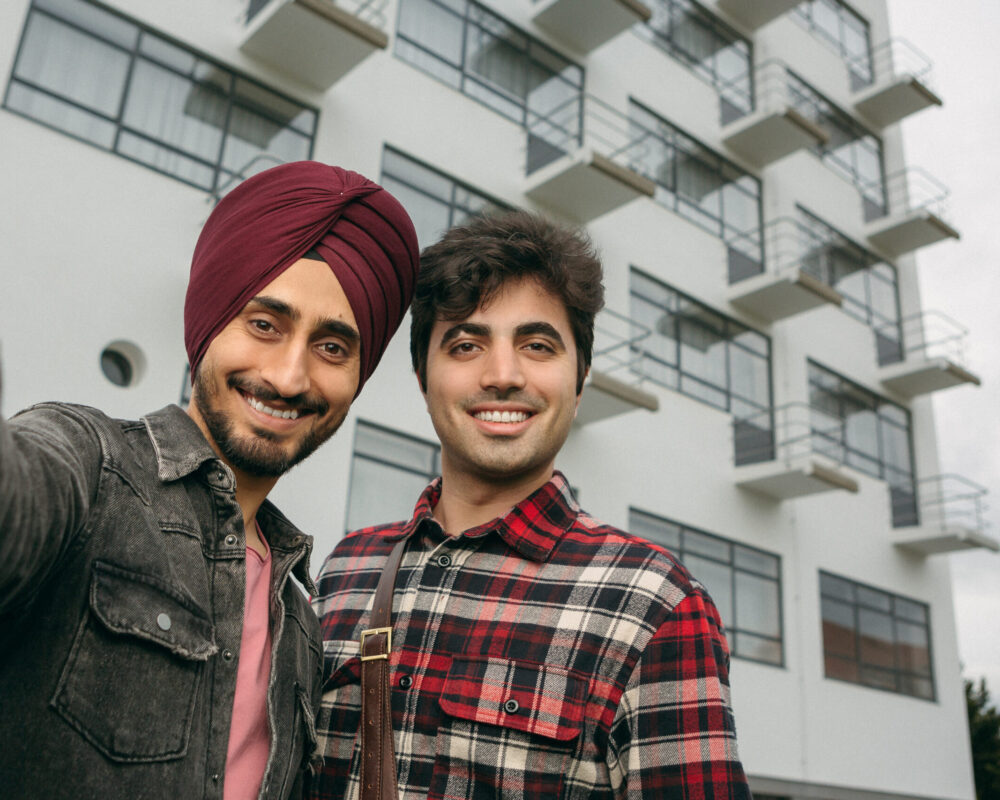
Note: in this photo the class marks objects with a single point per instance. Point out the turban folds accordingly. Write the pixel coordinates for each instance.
(273, 219)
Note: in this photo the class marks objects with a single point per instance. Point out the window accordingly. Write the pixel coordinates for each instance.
(710, 48)
(388, 472)
(869, 285)
(699, 184)
(867, 432)
(434, 201)
(852, 151)
(875, 638)
(699, 352)
(845, 30)
(115, 84)
(744, 582)
(480, 54)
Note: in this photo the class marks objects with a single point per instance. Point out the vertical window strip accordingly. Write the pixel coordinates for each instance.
(699, 352)
(745, 578)
(104, 79)
(711, 49)
(856, 426)
(860, 276)
(389, 470)
(844, 30)
(434, 200)
(876, 638)
(479, 53)
(697, 183)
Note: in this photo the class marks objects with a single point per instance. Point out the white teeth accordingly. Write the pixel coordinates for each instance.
(259, 406)
(501, 416)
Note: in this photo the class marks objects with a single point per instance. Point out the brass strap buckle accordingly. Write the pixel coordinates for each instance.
(376, 632)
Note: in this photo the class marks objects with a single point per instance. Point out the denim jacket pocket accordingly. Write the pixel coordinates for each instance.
(510, 726)
(131, 679)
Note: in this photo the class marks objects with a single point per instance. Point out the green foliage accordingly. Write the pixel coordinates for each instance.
(984, 730)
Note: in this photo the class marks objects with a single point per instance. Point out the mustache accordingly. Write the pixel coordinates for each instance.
(303, 403)
(514, 396)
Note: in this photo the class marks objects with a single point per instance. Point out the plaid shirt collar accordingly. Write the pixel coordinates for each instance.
(533, 527)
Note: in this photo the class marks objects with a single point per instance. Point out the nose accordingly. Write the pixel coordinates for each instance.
(287, 369)
(502, 369)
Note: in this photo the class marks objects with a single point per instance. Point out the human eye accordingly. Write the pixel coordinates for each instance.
(540, 347)
(262, 325)
(333, 350)
(463, 348)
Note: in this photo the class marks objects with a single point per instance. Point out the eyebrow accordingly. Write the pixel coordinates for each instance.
(527, 329)
(329, 325)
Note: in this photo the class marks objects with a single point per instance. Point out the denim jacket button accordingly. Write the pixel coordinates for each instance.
(227, 655)
(230, 540)
(163, 620)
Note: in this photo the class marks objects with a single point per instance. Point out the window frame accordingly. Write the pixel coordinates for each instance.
(857, 605)
(682, 553)
(135, 54)
(803, 13)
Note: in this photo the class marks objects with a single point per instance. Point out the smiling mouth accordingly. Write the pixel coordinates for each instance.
(277, 413)
(502, 416)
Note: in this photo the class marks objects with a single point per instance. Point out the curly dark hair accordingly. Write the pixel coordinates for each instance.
(472, 263)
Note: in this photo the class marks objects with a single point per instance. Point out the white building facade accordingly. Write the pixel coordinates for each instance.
(759, 401)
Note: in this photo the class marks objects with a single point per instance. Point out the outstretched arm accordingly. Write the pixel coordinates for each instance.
(673, 735)
(50, 463)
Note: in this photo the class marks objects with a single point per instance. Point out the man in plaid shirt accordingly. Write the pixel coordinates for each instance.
(536, 652)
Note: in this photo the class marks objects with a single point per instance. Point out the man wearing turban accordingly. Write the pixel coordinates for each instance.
(151, 642)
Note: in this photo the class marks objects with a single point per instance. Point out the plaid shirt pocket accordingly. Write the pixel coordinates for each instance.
(509, 725)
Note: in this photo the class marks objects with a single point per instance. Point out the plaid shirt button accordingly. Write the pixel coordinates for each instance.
(405, 682)
(511, 706)
(444, 561)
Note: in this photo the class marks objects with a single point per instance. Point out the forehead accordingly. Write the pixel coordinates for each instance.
(517, 303)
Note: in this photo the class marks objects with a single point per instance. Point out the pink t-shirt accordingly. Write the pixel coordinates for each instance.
(249, 737)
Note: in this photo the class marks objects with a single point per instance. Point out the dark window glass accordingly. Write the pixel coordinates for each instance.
(698, 351)
(389, 470)
(875, 637)
(744, 582)
(698, 183)
(713, 50)
(434, 201)
(479, 53)
(846, 31)
(869, 433)
(852, 151)
(118, 85)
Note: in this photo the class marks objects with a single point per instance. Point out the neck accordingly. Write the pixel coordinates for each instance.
(468, 501)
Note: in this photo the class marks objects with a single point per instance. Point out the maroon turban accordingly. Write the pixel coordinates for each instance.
(273, 219)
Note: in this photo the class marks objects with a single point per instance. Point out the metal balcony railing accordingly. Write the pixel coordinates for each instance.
(616, 346)
(786, 433)
(928, 335)
(906, 191)
(952, 502)
(372, 12)
(893, 58)
(258, 163)
(771, 90)
(578, 121)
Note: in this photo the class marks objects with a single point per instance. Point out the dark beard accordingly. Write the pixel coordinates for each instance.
(257, 455)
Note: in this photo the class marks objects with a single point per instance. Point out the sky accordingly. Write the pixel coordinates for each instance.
(959, 144)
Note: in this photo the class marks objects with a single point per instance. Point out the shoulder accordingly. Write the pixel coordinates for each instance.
(357, 547)
(71, 425)
(646, 566)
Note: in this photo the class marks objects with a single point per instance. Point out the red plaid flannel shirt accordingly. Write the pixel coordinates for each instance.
(540, 655)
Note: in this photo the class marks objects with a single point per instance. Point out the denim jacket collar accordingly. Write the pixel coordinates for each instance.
(178, 442)
(181, 448)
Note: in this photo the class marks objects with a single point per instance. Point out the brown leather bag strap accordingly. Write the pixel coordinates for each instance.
(378, 756)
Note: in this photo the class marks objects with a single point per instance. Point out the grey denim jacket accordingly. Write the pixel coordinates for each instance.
(122, 578)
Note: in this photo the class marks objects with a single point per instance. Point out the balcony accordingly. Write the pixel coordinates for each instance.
(915, 216)
(775, 128)
(780, 453)
(614, 384)
(753, 14)
(951, 518)
(587, 24)
(315, 41)
(790, 281)
(930, 358)
(580, 156)
(893, 83)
